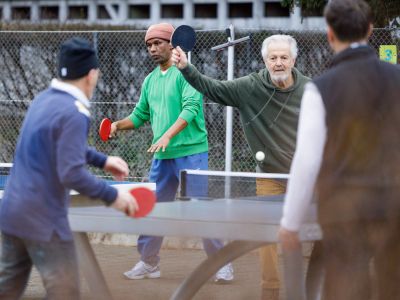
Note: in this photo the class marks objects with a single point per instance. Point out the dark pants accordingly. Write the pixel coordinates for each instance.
(351, 248)
(55, 260)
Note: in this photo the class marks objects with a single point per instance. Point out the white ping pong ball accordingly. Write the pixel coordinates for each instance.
(260, 156)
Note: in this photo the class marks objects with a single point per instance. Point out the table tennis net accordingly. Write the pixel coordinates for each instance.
(217, 184)
(4, 173)
(5, 169)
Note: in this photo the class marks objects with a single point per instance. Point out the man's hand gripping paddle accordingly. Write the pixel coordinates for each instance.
(145, 199)
(105, 129)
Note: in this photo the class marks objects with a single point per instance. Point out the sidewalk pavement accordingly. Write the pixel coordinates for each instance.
(175, 265)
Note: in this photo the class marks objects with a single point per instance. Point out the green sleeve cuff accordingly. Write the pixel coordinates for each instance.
(188, 116)
(137, 122)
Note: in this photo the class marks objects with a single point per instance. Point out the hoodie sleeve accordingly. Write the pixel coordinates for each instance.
(94, 158)
(72, 156)
(222, 92)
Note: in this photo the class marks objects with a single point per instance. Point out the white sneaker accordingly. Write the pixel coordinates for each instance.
(142, 270)
(224, 275)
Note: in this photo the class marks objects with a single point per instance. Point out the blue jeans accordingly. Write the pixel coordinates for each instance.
(55, 260)
(165, 173)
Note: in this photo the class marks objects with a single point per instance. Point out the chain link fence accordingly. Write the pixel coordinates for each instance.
(28, 63)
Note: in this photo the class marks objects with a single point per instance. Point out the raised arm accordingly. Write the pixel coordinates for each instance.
(222, 92)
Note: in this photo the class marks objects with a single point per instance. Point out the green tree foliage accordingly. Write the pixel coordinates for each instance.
(386, 12)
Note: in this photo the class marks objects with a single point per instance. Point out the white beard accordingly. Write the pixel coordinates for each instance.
(280, 78)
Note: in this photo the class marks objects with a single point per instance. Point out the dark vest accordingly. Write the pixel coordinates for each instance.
(361, 160)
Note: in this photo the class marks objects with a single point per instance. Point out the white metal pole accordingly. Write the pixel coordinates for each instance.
(229, 114)
(229, 110)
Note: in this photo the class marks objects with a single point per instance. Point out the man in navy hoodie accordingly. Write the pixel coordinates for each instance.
(50, 159)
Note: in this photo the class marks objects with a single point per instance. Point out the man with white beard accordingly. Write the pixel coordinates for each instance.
(269, 105)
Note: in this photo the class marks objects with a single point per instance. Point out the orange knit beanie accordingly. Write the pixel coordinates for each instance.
(162, 31)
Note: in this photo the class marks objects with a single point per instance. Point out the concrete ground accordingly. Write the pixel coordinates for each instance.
(175, 265)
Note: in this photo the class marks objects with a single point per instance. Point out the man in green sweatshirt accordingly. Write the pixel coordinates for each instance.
(175, 112)
(269, 105)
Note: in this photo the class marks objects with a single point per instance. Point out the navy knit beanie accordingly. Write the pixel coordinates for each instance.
(76, 58)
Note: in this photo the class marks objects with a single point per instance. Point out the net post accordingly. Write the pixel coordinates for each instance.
(5, 169)
(182, 193)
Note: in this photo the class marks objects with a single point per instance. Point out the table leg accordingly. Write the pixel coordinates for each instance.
(293, 271)
(315, 273)
(190, 286)
(90, 267)
(293, 274)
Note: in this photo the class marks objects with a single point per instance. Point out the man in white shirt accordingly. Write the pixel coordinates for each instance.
(348, 153)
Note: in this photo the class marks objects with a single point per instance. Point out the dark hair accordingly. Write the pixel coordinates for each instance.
(349, 19)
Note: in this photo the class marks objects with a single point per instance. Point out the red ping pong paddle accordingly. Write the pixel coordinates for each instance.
(105, 129)
(145, 199)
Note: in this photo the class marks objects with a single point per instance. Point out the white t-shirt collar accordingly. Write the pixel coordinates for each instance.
(70, 89)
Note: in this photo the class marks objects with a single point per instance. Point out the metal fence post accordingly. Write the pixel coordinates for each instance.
(229, 114)
(229, 110)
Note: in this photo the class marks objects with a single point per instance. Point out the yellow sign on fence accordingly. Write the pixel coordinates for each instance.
(388, 53)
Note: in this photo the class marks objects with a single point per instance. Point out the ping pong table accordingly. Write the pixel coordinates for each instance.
(248, 224)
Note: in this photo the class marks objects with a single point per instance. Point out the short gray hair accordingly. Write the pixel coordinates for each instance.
(279, 38)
